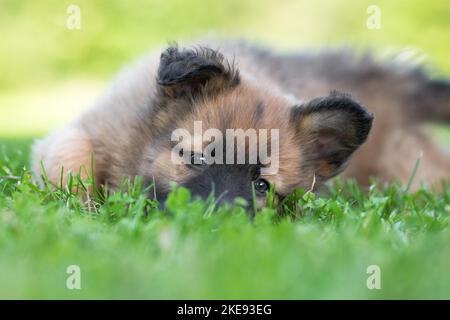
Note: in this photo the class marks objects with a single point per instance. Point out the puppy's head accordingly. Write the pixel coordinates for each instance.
(219, 131)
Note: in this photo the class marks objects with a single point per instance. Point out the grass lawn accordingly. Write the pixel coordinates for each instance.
(125, 247)
(128, 248)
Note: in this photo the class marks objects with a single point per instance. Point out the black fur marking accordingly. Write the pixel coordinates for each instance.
(340, 126)
(191, 69)
(341, 103)
(259, 111)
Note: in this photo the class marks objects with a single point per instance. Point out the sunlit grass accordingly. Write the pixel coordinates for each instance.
(127, 246)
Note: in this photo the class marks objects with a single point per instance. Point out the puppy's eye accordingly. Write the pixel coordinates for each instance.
(261, 185)
(197, 159)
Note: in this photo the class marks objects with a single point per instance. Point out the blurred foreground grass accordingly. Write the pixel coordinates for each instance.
(128, 248)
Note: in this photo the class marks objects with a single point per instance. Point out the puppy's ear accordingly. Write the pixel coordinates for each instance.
(192, 72)
(329, 130)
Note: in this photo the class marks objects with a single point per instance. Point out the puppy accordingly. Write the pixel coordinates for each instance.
(130, 131)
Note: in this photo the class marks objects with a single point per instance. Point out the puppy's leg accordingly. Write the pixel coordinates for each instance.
(66, 150)
(401, 152)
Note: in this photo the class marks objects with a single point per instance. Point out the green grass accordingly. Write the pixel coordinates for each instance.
(320, 247)
(315, 247)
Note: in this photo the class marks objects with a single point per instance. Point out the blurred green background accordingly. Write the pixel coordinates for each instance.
(49, 73)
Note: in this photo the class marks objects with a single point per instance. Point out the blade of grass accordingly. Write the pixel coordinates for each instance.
(413, 174)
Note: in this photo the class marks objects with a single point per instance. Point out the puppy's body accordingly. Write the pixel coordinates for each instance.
(128, 131)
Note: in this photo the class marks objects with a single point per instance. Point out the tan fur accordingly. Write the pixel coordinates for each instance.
(65, 151)
(395, 144)
(211, 112)
(275, 116)
(120, 129)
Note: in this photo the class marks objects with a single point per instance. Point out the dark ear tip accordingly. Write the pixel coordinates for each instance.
(365, 125)
(170, 50)
(187, 70)
(346, 101)
(363, 122)
(352, 105)
(363, 119)
(341, 103)
(337, 100)
(169, 55)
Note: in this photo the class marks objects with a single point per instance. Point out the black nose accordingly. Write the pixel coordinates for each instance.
(225, 182)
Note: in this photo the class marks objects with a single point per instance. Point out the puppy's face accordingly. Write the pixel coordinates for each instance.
(215, 131)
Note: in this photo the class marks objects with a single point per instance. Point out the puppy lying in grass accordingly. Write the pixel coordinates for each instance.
(130, 131)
